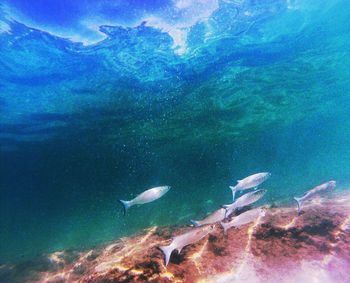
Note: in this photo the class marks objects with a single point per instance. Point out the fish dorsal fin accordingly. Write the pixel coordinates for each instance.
(238, 181)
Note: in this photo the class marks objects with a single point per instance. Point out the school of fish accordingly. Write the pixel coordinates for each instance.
(227, 215)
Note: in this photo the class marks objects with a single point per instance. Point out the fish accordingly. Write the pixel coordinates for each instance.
(145, 197)
(191, 237)
(244, 218)
(249, 182)
(309, 194)
(217, 216)
(244, 200)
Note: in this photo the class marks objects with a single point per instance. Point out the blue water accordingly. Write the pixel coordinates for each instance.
(194, 96)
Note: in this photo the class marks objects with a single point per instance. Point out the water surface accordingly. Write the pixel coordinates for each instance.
(250, 86)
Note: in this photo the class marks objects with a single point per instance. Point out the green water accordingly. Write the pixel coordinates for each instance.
(106, 122)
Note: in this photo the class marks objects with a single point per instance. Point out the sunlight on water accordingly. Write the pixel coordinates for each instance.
(189, 94)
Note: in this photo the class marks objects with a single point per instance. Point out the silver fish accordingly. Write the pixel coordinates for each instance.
(244, 201)
(249, 182)
(244, 218)
(309, 194)
(183, 240)
(145, 197)
(216, 216)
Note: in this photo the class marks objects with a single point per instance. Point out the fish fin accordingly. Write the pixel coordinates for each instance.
(126, 204)
(238, 181)
(224, 226)
(224, 206)
(229, 212)
(233, 189)
(300, 203)
(167, 250)
(195, 223)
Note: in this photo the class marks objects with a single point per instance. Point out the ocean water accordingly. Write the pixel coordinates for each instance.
(193, 94)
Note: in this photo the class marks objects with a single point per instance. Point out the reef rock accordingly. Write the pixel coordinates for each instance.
(281, 247)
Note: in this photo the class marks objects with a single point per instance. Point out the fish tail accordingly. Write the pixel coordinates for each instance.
(224, 226)
(126, 204)
(228, 211)
(234, 190)
(299, 203)
(167, 250)
(195, 223)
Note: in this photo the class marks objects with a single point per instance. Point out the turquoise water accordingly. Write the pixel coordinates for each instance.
(252, 86)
